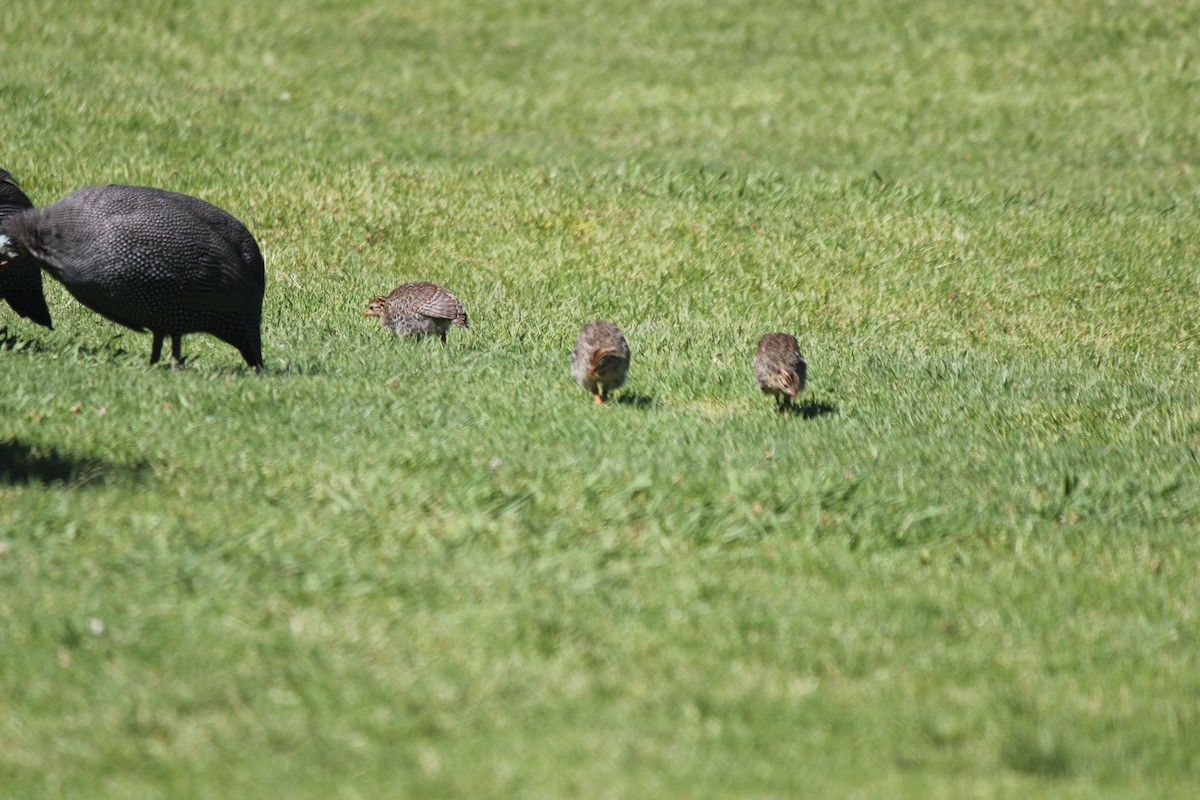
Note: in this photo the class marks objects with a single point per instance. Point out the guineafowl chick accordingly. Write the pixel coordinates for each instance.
(418, 308)
(152, 260)
(779, 367)
(600, 360)
(20, 277)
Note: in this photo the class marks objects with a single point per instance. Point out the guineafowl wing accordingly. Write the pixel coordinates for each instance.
(221, 275)
(441, 305)
(427, 299)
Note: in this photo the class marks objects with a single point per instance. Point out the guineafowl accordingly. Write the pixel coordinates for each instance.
(419, 308)
(600, 360)
(779, 367)
(20, 278)
(152, 260)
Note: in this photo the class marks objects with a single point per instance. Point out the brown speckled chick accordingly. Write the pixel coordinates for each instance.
(600, 360)
(779, 367)
(419, 308)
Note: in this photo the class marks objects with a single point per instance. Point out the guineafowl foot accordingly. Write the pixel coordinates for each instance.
(156, 350)
(253, 359)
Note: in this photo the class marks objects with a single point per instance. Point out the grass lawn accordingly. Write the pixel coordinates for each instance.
(968, 568)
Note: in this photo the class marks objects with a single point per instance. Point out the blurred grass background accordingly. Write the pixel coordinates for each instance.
(382, 568)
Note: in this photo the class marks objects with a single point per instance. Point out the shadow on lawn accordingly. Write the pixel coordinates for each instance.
(810, 409)
(15, 341)
(288, 368)
(21, 464)
(635, 400)
(111, 351)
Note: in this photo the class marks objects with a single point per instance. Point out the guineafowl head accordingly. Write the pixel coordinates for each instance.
(603, 362)
(376, 307)
(789, 381)
(10, 251)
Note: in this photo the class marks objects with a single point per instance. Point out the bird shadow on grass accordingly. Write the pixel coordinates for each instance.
(15, 341)
(636, 400)
(288, 368)
(22, 464)
(810, 409)
(111, 351)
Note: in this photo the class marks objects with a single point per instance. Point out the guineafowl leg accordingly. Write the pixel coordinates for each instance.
(176, 345)
(156, 349)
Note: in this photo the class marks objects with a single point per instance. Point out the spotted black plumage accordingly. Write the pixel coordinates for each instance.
(152, 260)
(20, 278)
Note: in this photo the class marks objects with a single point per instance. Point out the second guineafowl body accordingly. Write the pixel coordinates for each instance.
(20, 277)
(152, 260)
(779, 367)
(600, 360)
(419, 308)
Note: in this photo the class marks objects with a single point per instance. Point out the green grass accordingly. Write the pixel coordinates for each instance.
(386, 569)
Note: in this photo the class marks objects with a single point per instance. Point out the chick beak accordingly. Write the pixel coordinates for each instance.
(789, 383)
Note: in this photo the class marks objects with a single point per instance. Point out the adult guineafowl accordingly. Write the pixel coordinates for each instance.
(20, 278)
(152, 260)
